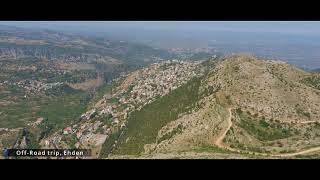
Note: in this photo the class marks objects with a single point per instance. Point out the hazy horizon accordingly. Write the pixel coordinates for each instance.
(297, 42)
(290, 27)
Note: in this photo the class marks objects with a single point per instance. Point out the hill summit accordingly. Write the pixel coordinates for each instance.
(241, 105)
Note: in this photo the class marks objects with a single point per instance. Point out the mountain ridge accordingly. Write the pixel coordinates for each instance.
(192, 136)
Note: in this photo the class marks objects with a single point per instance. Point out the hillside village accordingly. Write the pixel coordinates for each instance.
(36, 86)
(31, 85)
(136, 90)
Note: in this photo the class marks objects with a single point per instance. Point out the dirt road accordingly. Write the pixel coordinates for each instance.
(220, 144)
(219, 141)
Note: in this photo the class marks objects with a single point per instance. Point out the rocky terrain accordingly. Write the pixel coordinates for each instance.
(262, 108)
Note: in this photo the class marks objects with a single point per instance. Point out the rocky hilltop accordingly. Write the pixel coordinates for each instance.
(244, 105)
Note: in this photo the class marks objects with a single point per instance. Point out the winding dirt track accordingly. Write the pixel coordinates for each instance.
(220, 144)
(219, 141)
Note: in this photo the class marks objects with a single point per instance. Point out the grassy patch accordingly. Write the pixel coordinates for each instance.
(114, 100)
(63, 110)
(210, 149)
(108, 145)
(60, 110)
(313, 81)
(261, 129)
(33, 142)
(71, 139)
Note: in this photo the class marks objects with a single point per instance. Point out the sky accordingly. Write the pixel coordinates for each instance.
(297, 42)
(291, 27)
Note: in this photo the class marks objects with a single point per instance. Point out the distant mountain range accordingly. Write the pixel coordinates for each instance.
(47, 50)
(59, 50)
(316, 70)
(51, 44)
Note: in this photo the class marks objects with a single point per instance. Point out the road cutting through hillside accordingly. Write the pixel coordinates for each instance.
(219, 141)
(220, 144)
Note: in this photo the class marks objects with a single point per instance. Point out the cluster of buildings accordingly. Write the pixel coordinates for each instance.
(37, 122)
(36, 86)
(188, 53)
(88, 133)
(32, 85)
(10, 129)
(157, 80)
(4, 129)
(2, 83)
(163, 78)
(53, 142)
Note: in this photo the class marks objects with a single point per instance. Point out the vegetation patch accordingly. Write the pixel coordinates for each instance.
(313, 81)
(210, 149)
(301, 112)
(261, 129)
(312, 156)
(64, 109)
(107, 147)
